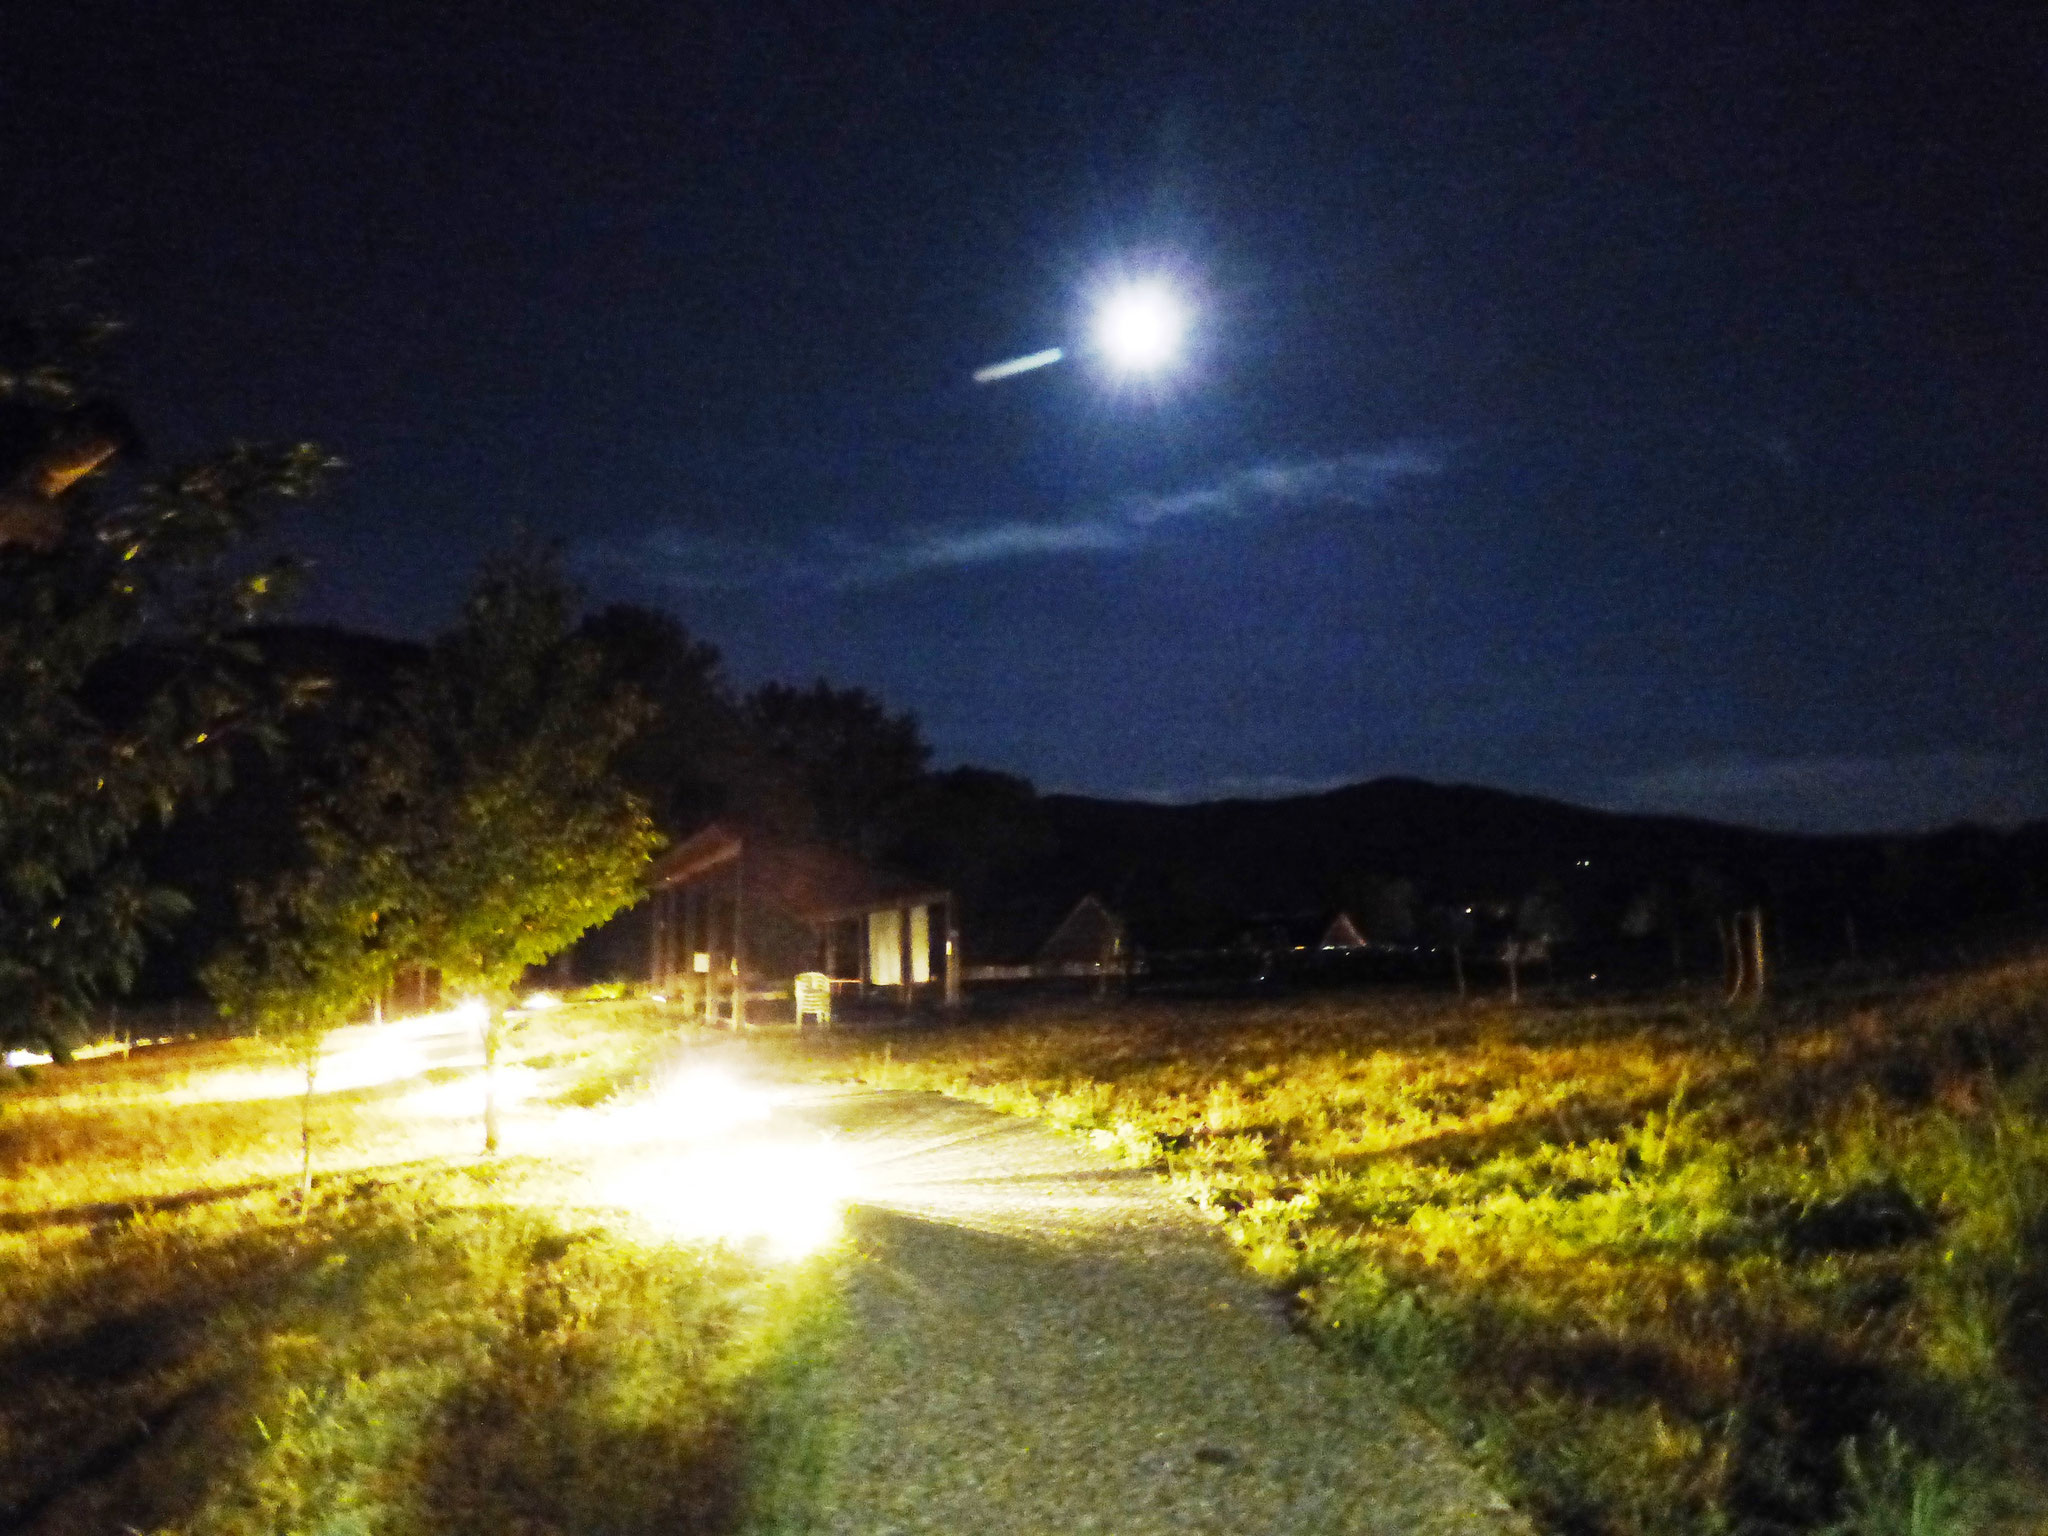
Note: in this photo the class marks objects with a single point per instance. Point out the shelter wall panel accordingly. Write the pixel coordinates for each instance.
(920, 945)
(885, 948)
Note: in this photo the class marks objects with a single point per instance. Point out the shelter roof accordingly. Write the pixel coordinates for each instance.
(1343, 933)
(808, 880)
(1090, 933)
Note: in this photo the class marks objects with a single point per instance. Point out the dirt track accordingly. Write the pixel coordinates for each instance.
(1040, 1340)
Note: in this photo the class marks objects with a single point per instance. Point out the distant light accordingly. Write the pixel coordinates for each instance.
(1139, 327)
(27, 1059)
(539, 1002)
(1017, 365)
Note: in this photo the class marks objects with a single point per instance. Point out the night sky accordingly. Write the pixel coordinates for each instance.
(1634, 403)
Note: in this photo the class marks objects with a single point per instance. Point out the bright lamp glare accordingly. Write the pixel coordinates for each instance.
(706, 1102)
(785, 1195)
(1139, 327)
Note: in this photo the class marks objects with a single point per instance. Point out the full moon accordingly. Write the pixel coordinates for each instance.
(1139, 327)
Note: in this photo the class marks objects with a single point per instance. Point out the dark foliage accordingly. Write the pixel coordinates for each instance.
(124, 679)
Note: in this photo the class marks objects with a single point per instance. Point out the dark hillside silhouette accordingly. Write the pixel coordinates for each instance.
(1404, 857)
(1195, 876)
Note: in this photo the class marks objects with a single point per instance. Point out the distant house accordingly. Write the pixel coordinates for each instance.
(1090, 941)
(1342, 934)
(734, 914)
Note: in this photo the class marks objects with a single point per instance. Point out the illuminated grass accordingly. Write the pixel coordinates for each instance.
(433, 1343)
(1664, 1269)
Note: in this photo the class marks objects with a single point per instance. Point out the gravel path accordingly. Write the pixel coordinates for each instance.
(1040, 1340)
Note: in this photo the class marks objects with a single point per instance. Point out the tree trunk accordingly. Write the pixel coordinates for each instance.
(739, 944)
(1458, 969)
(1734, 953)
(1514, 974)
(306, 1128)
(1759, 971)
(493, 1025)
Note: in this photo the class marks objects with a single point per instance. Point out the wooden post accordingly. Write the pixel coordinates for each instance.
(654, 941)
(1761, 974)
(707, 939)
(952, 955)
(693, 941)
(1734, 945)
(739, 953)
(904, 958)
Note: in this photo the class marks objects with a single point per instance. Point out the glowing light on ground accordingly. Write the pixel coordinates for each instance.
(371, 1055)
(706, 1102)
(463, 1099)
(782, 1194)
(357, 1056)
(540, 1002)
(707, 1156)
(1139, 327)
(26, 1059)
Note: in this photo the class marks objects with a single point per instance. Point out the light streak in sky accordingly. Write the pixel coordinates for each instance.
(1017, 365)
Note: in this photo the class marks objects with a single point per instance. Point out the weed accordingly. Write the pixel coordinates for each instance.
(427, 1343)
(1663, 1268)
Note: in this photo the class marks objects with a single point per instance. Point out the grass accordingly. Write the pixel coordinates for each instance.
(1663, 1268)
(432, 1342)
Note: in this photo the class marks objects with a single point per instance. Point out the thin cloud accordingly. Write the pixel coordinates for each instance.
(1846, 792)
(1351, 480)
(684, 561)
(1238, 786)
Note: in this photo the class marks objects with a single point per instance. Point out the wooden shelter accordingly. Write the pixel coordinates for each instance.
(1089, 941)
(734, 910)
(1342, 934)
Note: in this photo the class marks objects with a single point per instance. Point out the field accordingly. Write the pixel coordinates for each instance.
(429, 1342)
(1662, 1268)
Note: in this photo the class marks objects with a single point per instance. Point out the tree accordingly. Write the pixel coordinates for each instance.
(322, 940)
(122, 683)
(315, 950)
(514, 832)
(1654, 910)
(690, 750)
(1455, 928)
(1384, 905)
(852, 765)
